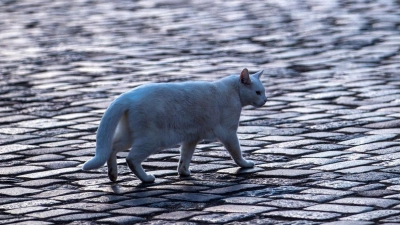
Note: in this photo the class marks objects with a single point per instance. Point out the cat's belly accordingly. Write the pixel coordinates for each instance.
(209, 136)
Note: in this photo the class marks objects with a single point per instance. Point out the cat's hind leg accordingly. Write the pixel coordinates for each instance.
(122, 141)
(138, 153)
(187, 150)
(231, 143)
(112, 167)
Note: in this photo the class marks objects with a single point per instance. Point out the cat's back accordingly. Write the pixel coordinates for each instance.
(172, 92)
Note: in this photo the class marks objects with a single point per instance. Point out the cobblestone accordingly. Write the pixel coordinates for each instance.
(300, 214)
(383, 203)
(326, 144)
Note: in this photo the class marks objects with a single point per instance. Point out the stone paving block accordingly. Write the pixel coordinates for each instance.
(44, 124)
(54, 193)
(8, 219)
(234, 188)
(360, 169)
(48, 157)
(369, 176)
(326, 192)
(160, 165)
(313, 161)
(238, 170)
(194, 197)
(321, 134)
(141, 201)
(336, 125)
(90, 206)
(349, 223)
(308, 197)
(367, 187)
(287, 173)
(77, 196)
(337, 184)
(327, 154)
(301, 214)
(376, 193)
(385, 131)
(14, 170)
(287, 203)
(232, 208)
(50, 173)
(208, 183)
(207, 167)
(361, 115)
(182, 188)
(368, 139)
(394, 187)
(244, 200)
(178, 215)
(373, 215)
(62, 143)
(220, 218)
(16, 118)
(52, 213)
(343, 165)
(284, 151)
(304, 110)
(28, 203)
(282, 131)
(137, 211)
(312, 116)
(372, 146)
(4, 149)
(275, 138)
(384, 125)
(26, 210)
(108, 199)
(386, 156)
(15, 130)
(147, 193)
(33, 222)
(386, 150)
(339, 208)
(354, 130)
(79, 217)
(122, 219)
(379, 202)
(295, 144)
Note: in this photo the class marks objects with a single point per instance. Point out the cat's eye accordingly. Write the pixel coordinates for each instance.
(258, 92)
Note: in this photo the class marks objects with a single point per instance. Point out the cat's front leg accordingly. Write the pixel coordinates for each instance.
(231, 143)
(187, 150)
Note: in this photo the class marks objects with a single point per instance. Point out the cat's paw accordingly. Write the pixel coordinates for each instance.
(150, 178)
(247, 164)
(184, 173)
(183, 170)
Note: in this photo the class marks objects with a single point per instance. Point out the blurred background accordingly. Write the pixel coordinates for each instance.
(85, 49)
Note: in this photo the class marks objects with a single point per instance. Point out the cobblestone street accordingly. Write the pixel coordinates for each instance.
(326, 144)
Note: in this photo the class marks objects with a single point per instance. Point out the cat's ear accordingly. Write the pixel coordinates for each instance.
(245, 77)
(258, 74)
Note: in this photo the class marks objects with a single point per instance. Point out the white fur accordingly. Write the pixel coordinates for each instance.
(156, 116)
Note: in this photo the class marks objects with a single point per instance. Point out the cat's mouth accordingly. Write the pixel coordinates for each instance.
(260, 103)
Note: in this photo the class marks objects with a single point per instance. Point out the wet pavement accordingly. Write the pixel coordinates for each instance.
(326, 144)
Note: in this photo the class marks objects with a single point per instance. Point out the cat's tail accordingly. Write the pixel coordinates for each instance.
(105, 135)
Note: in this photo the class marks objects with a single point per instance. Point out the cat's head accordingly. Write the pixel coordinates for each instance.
(251, 90)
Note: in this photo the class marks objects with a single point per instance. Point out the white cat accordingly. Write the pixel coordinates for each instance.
(157, 116)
